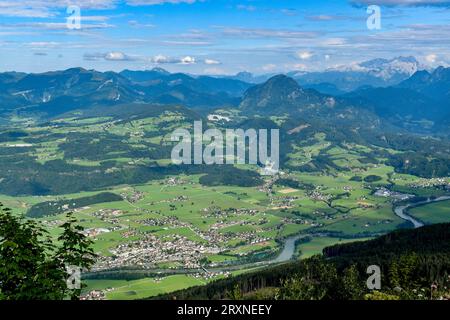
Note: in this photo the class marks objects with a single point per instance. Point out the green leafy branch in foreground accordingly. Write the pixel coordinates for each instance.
(33, 265)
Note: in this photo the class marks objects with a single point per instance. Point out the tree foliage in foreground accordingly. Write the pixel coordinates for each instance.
(33, 265)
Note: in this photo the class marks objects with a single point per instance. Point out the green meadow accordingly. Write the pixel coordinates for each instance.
(325, 188)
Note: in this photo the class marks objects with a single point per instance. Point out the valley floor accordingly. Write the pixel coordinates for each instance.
(176, 230)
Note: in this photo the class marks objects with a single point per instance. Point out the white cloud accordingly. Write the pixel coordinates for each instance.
(305, 55)
(47, 8)
(162, 59)
(187, 60)
(58, 25)
(115, 56)
(211, 61)
(51, 8)
(109, 56)
(43, 44)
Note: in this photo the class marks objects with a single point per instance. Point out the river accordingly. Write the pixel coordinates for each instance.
(401, 211)
(288, 250)
(286, 254)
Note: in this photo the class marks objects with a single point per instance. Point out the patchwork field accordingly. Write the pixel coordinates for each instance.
(144, 213)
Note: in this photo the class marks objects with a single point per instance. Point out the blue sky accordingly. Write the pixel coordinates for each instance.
(218, 36)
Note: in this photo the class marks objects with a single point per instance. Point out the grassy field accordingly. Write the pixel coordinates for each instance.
(437, 212)
(142, 288)
(316, 245)
(335, 198)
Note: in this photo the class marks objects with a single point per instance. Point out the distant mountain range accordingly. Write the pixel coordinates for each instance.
(54, 93)
(393, 90)
(420, 102)
(376, 73)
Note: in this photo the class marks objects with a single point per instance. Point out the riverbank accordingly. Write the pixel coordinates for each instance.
(402, 211)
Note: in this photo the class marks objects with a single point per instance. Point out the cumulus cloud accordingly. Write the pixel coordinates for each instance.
(109, 56)
(187, 60)
(162, 59)
(305, 55)
(120, 56)
(116, 56)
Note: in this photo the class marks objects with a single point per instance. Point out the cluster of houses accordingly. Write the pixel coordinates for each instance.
(208, 275)
(94, 295)
(429, 183)
(133, 197)
(319, 196)
(283, 202)
(150, 251)
(108, 215)
(214, 211)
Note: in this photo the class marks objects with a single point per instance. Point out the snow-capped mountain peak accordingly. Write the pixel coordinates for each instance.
(385, 68)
